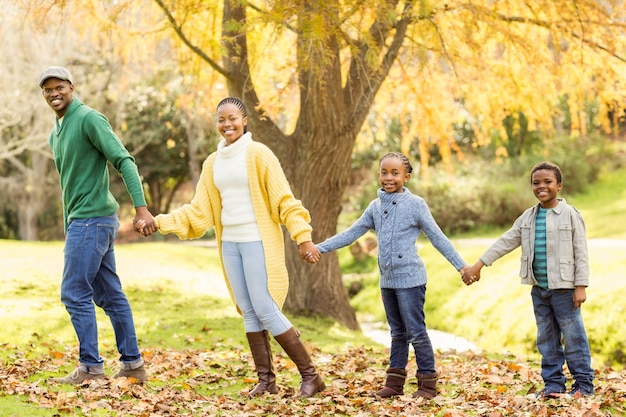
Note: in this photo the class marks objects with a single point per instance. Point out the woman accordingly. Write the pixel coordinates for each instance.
(244, 194)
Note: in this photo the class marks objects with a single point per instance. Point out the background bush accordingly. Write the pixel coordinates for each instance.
(488, 194)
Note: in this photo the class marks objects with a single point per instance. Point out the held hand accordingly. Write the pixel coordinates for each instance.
(463, 272)
(471, 274)
(466, 277)
(139, 226)
(309, 252)
(144, 221)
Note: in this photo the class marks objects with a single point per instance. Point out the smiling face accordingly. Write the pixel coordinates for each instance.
(392, 174)
(58, 94)
(546, 187)
(230, 122)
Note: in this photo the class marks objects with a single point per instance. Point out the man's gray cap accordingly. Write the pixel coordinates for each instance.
(55, 72)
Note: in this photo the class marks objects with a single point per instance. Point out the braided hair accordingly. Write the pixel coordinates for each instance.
(237, 103)
(402, 157)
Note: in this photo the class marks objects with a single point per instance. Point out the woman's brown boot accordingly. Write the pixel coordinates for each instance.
(394, 385)
(426, 385)
(262, 355)
(312, 383)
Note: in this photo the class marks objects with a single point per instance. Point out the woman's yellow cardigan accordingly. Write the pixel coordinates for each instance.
(274, 204)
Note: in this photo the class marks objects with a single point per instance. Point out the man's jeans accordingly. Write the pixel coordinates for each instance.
(556, 318)
(89, 277)
(405, 314)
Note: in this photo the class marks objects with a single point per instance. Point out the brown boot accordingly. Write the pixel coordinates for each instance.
(394, 385)
(426, 385)
(262, 355)
(312, 383)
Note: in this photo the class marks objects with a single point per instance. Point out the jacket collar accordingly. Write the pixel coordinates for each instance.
(558, 209)
(389, 197)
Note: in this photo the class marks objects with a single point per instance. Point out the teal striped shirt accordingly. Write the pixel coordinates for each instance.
(540, 262)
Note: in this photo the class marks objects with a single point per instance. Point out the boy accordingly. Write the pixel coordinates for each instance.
(555, 262)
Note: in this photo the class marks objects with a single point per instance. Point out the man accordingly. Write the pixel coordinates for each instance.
(82, 142)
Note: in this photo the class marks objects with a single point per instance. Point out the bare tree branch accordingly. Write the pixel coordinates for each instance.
(178, 28)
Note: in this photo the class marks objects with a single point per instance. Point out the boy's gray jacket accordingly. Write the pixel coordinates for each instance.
(398, 219)
(566, 244)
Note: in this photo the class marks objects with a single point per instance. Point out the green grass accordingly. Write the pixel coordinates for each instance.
(176, 290)
(177, 293)
(604, 206)
(180, 304)
(496, 313)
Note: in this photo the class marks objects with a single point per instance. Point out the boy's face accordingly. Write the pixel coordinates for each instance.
(546, 187)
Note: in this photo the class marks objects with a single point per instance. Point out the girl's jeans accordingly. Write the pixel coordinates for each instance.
(405, 313)
(245, 267)
(89, 277)
(556, 318)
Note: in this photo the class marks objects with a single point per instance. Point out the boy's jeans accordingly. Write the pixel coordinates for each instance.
(556, 317)
(89, 277)
(405, 314)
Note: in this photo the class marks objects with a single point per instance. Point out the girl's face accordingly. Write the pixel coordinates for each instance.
(546, 187)
(230, 122)
(392, 175)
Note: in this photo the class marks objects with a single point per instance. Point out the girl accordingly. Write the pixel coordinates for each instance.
(244, 193)
(398, 217)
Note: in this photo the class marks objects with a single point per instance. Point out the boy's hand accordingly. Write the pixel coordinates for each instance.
(580, 296)
(471, 274)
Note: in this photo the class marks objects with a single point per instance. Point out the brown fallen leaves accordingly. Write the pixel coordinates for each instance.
(208, 383)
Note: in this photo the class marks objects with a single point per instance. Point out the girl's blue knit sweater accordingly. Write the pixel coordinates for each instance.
(398, 219)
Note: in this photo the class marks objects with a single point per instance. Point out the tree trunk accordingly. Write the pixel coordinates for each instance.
(31, 193)
(319, 288)
(316, 156)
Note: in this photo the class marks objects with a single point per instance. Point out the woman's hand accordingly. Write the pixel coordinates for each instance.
(309, 252)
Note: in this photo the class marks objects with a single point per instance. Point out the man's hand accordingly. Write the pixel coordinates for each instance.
(144, 221)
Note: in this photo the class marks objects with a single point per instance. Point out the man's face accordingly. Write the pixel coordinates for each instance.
(58, 94)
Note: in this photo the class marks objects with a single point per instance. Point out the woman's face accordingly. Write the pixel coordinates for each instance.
(230, 122)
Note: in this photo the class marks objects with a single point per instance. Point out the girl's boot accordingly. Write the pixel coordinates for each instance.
(262, 355)
(394, 385)
(312, 383)
(426, 385)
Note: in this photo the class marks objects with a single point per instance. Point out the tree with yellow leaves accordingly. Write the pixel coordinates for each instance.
(311, 71)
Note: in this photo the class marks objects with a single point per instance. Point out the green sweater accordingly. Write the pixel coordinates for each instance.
(82, 145)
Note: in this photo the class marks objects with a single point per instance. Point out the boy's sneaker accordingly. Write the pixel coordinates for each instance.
(138, 373)
(77, 377)
(546, 394)
(576, 392)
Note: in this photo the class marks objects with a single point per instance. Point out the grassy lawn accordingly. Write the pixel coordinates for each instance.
(194, 342)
